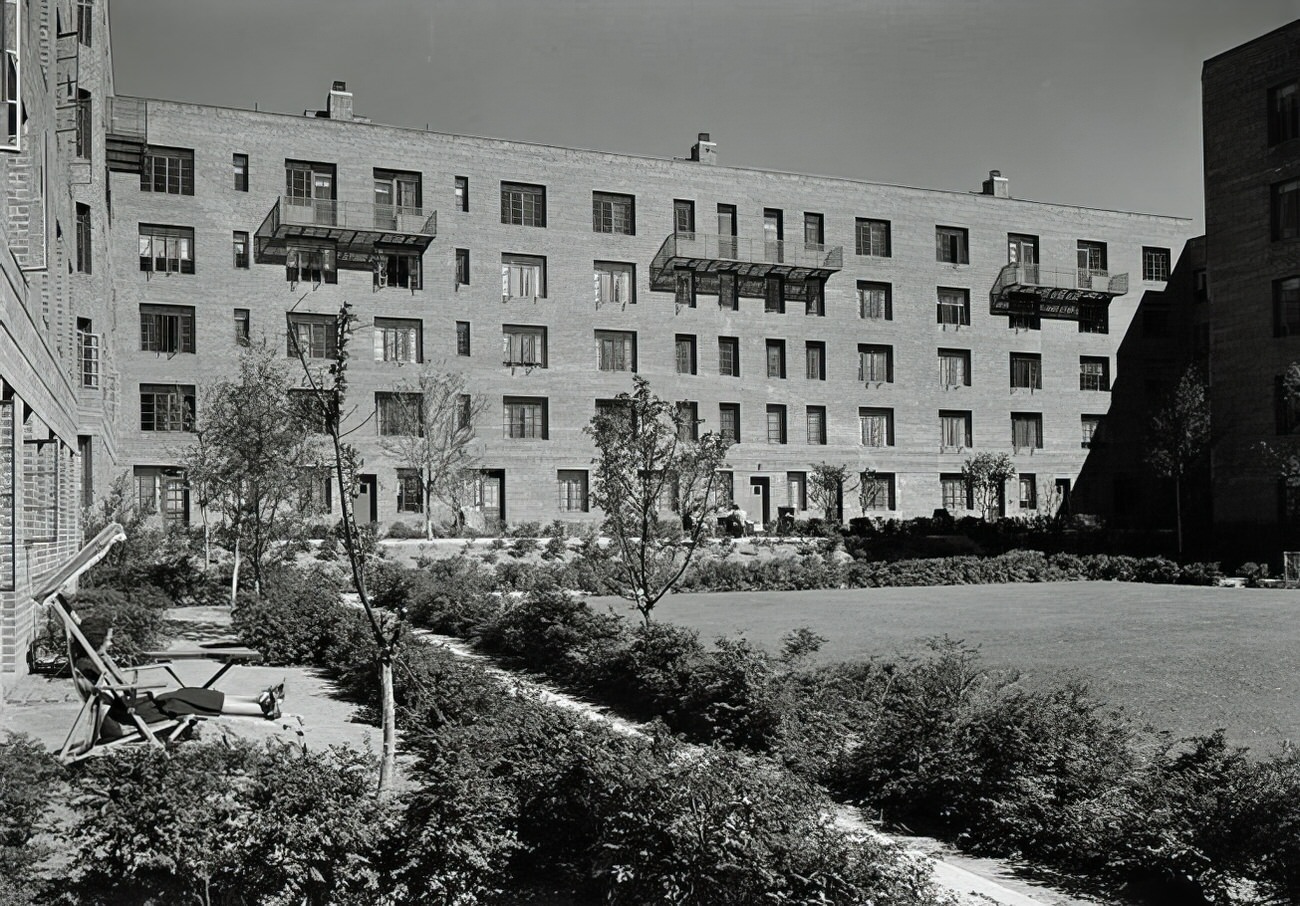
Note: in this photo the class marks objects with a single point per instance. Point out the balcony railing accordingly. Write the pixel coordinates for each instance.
(1073, 278)
(706, 246)
(128, 118)
(357, 231)
(1063, 294)
(357, 215)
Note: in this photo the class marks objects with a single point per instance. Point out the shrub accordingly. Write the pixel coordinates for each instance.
(293, 621)
(137, 618)
(30, 781)
(523, 546)
(450, 595)
(555, 548)
(404, 531)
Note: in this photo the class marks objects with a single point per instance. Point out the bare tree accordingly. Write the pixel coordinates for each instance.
(1180, 436)
(647, 457)
(827, 486)
(870, 489)
(987, 474)
(435, 438)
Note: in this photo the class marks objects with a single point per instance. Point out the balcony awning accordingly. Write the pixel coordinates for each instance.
(1030, 289)
(355, 229)
(708, 254)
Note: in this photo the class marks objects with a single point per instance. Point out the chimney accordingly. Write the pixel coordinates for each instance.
(705, 151)
(997, 185)
(339, 105)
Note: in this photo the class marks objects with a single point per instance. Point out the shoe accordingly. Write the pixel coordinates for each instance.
(270, 704)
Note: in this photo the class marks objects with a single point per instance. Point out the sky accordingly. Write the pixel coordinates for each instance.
(1087, 102)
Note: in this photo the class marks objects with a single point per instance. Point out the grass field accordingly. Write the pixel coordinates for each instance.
(1184, 659)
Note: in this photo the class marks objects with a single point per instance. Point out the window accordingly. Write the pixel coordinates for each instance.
(522, 277)
(773, 235)
(410, 491)
(612, 213)
(163, 490)
(1090, 426)
(1026, 431)
(1200, 286)
(462, 193)
(954, 367)
(1028, 491)
(464, 411)
(876, 427)
(1155, 263)
(1094, 373)
(572, 489)
(83, 239)
(774, 295)
(814, 298)
(875, 363)
(523, 345)
(954, 307)
(1023, 250)
(239, 164)
(728, 297)
(875, 301)
(956, 493)
(399, 414)
(310, 264)
(462, 267)
(398, 340)
(1094, 318)
(816, 424)
(85, 21)
(1092, 261)
(775, 424)
(462, 338)
(797, 488)
(87, 355)
(166, 407)
(688, 420)
(397, 194)
(616, 350)
(729, 356)
(395, 267)
(1286, 210)
(775, 358)
(877, 491)
(1026, 371)
(1021, 321)
(814, 236)
(727, 247)
(315, 335)
(1284, 113)
(523, 205)
(84, 124)
(684, 288)
(686, 351)
(169, 170)
(954, 430)
(872, 238)
(239, 244)
(951, 245)
(1287, 406)
(309, 192)
(614, 283)
(167, 328)
(1286, 307)
(815, 360)
(242, 325)
(683, 216)
(524, 417)
(725, 488)
(729, 421)
(166, 249)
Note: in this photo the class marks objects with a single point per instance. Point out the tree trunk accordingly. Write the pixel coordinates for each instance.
(1178, 512)
(388, 763)
(234, 576)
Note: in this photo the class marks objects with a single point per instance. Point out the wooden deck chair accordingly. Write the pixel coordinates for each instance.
(114, 685)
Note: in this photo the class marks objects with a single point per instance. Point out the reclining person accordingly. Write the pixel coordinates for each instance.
(183, 702)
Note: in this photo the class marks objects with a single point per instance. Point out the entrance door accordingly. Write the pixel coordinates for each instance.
(726, 231)
(1023, 250)
(492, 499)
(773, 233)
(1063, 495)
(365, 506)
(761, 489)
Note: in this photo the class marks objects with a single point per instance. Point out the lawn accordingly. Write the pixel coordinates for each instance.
(1183, 659)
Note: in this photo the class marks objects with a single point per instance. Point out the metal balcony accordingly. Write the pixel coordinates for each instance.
(128, 130)
(707, 254)
(355, 228)
(1059, 294)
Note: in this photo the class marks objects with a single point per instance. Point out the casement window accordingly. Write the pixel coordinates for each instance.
(1094, 318)
(955, 492)
(614, 283)
(315, 492)
(167, 328)
(1090, 427)
(168, 170)
(1092, 263)
(166, 407)
(84, 124)
(1026, 431)
(729, 356)
(410, 491)
(1283, 113)
(85, 21)
(685, 346)
(875, 363)
(814, 302)
(684, 288)
(612, 213)
(462, 338)
(729, 421)
(684, 216)
(523, 205)
(83, 239)
(877, 491)
(815, 360)
(309, 191)
(397, 193)
(399, 340)
(776, 433)
(1028, 491)
(951, 245)
(775, 358)
(524, 417)
(954, 431)
(796, 484)
(163, 490)
(1022, 250)
(166, 249)
(523, 277)
(1286, 307)
(728, 295)
(1094, 373)
(243, 318)
(87, 355)
(816, 424)
(464, 411)
(462, 194)
(399, 414)
(774, 295)
(1026, 371)
(462, 267)
(572, 485)
(239, 168)
(814, 233)
(954, 367)
(397, 268)
(315, 335)
(616, 350)
(688, 420)
(953, 307)
(1155, 263)
(239, 245)
(773, 235)
(523, 345)
(1020, 322)
(872, 238)
(875, 301)
(876, 427)
(727, 245)
(310, 264)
